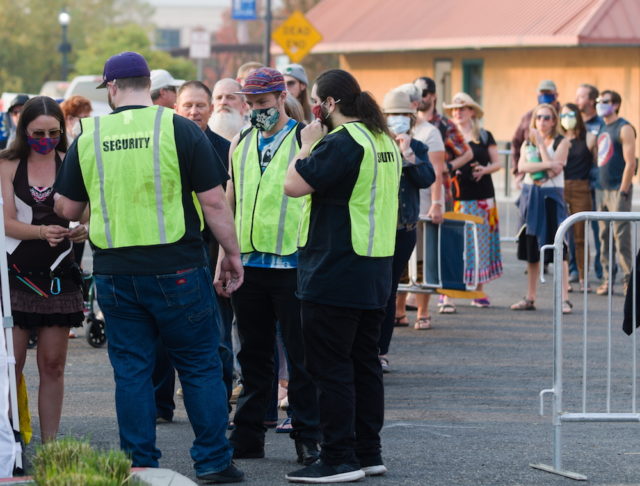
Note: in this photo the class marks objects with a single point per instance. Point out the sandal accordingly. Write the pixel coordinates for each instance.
(423, 323)
(401, 321)
(567, 307)
(447, 309)
(285, 427)
(482, 303)
(524, 304)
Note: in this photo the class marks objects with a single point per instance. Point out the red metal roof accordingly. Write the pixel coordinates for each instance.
(401, 25)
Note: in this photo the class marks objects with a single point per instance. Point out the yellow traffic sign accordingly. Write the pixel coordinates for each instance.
(296, 36)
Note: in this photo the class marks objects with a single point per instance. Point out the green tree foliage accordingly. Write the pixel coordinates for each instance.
(30, 36)
(128, 37)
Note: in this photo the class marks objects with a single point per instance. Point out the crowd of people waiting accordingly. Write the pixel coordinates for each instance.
(300, 204)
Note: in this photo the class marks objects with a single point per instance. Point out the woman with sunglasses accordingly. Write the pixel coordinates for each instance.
(541, 203)
(577, 192)
(44, 281)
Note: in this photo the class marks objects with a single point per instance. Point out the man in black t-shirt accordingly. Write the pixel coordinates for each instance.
(150, 271)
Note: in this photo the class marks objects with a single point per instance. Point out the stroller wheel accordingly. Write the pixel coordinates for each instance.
(96, 336)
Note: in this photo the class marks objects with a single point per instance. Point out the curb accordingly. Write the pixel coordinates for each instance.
(149, 476)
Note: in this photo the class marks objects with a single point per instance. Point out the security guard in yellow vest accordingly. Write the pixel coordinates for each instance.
(267, 224)
(137, 170)
(344, 272)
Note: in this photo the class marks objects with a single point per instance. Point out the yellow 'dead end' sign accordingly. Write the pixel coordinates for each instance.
(296, 36)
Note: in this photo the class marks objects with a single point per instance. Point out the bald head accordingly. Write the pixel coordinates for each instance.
(225, 97)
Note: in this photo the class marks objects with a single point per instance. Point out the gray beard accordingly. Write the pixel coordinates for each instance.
(226, 124)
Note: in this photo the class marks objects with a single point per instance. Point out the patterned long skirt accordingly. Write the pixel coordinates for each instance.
(489, 261)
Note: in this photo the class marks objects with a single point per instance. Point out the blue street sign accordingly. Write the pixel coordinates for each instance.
(244, 10)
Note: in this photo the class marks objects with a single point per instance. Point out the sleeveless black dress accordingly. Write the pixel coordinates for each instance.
(41, 297)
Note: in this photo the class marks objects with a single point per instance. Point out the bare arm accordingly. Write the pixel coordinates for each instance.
(462, 159)
(437, 197)
(480, 171)
(54, 234)
(219, 218)
(294, 184)
(628, 137)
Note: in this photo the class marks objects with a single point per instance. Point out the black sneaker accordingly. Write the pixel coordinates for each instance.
(320, 473)
(308, 451)
(229, 475)
(373, 466)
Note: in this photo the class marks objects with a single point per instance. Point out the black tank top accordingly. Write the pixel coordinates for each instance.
(579, 161)
(34, 257)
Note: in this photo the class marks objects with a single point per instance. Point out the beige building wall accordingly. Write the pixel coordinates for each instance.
(511, 76)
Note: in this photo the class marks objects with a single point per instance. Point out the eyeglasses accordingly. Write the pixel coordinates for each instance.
(291, 83)
(568, 115)
(544, 117)
(38, 134)
(604, 102)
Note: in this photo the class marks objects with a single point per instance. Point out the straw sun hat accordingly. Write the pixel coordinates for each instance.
(461, 100)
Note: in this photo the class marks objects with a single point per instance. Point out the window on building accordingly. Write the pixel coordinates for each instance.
(167, 38)
(442, 77)
(472, 78)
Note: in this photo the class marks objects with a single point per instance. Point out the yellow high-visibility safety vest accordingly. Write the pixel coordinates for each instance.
(373, 205)
(130, 168)
(266, 219)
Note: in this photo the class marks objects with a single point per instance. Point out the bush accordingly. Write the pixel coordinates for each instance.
(70, 462)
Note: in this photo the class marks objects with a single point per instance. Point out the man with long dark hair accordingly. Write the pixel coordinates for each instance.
(351, 167)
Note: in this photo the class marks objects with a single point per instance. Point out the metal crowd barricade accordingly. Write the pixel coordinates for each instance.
(560, 414)
(442, 250)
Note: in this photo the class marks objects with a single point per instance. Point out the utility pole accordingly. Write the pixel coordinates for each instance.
(267, 34)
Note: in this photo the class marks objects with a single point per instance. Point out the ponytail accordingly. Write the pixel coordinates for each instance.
(369, 113)
(354, 102)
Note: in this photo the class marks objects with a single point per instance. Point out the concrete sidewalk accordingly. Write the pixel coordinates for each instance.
(461, 401)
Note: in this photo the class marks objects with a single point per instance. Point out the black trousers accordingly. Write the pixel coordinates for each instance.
(341, 346)
(268, 296)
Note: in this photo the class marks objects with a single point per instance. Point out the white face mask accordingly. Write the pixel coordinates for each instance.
(568, 122)
(399, 124)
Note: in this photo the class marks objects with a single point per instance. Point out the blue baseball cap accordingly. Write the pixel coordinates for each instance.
(124, 65)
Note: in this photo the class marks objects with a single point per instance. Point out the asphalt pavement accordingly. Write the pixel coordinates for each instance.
(462, 403)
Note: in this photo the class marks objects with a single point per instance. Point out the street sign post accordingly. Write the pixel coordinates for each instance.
(244, 10)
(296, 36)
(200, 48)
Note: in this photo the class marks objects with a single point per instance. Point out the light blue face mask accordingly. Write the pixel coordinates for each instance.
(399, 124)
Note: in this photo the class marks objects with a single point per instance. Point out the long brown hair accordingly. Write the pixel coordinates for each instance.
(35, 107)
(353, 102)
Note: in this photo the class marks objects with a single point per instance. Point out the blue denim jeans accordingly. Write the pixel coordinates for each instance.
(180, 310)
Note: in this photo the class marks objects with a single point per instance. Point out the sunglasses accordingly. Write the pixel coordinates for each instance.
(291, 83)
(544, 117)
(16, 111)
(568, 115)
(38, 134)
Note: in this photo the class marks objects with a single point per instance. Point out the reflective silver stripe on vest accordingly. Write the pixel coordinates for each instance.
(285, 199)
(157, 180)
(372, 202)
(97, 147)
(243, 163)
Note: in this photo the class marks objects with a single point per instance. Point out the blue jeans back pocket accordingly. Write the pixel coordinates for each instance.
(181, 289)
(106, 291)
